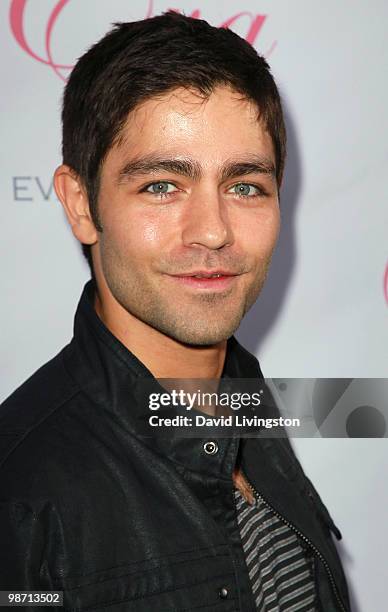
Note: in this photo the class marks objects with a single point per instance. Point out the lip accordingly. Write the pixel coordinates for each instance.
(220, 283)
(203, 272)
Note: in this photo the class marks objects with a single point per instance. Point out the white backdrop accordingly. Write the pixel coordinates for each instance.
(323, 312)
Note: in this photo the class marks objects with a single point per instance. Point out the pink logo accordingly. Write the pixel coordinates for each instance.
(17, 14)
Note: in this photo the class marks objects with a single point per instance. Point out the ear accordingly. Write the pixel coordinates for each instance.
(74, 200)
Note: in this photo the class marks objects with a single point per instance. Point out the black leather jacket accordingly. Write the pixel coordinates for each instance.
(121, 522)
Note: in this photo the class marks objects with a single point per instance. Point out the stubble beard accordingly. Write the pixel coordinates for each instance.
(210, 319)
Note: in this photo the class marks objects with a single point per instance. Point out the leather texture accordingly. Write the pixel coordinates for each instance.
(119, 521)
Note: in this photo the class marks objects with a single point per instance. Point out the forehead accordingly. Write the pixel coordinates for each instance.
(183, 122)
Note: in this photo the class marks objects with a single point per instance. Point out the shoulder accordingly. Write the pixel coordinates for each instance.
(25, 413)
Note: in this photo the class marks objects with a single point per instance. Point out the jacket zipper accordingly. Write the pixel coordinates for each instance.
(302, 536)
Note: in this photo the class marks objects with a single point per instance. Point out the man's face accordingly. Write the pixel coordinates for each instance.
(189, 191)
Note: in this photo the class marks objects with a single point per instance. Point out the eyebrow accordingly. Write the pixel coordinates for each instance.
(190, 168)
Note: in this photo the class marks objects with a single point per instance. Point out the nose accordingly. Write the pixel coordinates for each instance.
(206, 221)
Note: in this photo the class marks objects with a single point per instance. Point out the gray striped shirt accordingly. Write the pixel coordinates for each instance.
(281, 574)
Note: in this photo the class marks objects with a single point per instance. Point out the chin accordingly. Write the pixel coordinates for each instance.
(203, 337)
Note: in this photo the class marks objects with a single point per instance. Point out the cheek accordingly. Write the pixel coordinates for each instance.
(258, 233)
(135, 235)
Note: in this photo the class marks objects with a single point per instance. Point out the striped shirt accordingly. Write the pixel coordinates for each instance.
(281, 574)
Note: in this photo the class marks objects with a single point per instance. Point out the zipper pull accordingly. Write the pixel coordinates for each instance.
(325, 515)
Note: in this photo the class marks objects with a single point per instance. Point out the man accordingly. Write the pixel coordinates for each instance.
(173, 156)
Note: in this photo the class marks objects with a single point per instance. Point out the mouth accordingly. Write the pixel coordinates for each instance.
(216, 280)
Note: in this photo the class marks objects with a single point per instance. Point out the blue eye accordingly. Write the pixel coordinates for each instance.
(160, 188)
(246, 190)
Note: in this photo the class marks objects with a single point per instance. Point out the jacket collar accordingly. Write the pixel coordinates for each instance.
(114, 378)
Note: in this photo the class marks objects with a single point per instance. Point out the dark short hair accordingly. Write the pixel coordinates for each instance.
(138, 60)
